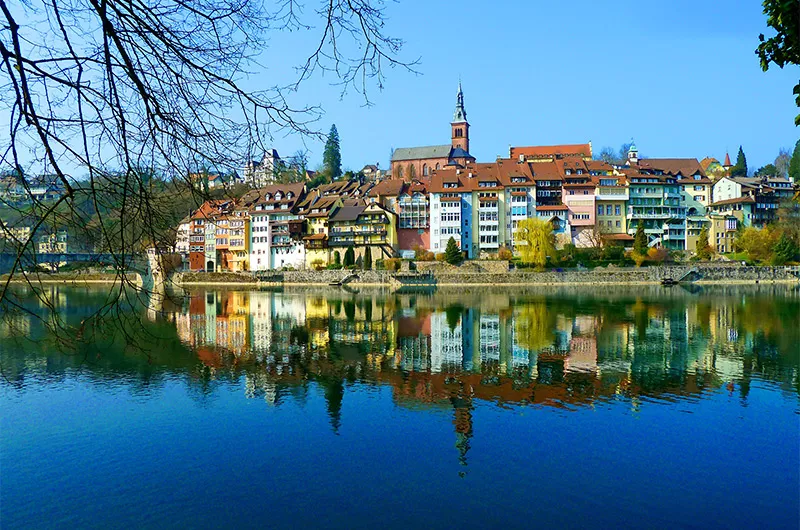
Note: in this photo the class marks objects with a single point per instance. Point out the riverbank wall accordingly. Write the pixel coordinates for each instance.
(444, 275)
(494, 274)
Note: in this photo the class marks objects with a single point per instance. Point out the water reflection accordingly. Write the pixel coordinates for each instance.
(304, 397)
(556, 347)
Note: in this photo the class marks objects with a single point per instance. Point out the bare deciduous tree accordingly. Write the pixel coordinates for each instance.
(139, 94)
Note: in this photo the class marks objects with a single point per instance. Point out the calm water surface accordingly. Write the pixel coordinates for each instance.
(601, 408)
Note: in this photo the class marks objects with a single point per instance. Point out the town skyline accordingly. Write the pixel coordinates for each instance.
(689, 68)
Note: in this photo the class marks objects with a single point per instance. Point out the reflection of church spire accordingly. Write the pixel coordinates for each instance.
(463, 424)
(334, 392)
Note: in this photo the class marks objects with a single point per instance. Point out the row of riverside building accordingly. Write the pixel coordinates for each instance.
(434, 193)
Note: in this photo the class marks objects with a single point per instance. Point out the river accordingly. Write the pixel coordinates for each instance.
(646, 407)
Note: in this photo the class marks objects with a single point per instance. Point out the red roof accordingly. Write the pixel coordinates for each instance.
(619, 237)
(744, 200)
(552, 150)
(727, 160)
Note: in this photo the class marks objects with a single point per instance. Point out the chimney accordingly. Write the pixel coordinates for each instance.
(522, 158)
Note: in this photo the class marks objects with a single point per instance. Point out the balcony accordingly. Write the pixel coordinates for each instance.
(646, 194)
(616, 193)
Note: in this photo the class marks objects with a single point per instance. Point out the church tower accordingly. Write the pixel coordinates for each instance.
(459, 126)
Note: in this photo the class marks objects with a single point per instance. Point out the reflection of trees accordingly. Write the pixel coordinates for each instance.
(534, 325)
(646, 343)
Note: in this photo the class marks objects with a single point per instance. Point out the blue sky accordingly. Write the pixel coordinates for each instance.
(679, 77)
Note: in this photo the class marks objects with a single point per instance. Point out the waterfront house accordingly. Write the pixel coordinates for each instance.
(362, 226)
(452, 210)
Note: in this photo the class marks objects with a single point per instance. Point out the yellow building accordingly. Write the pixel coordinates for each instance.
(611, 199)
(55, 243)
(722, 232)
(364, 226)
(238, 240)
(316, 241)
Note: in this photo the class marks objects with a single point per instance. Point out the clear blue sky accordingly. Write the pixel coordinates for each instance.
(679, 77)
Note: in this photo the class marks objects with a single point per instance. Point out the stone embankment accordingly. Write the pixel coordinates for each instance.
(489, 273)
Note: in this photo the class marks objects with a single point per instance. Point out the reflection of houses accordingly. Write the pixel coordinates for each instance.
(525, 351)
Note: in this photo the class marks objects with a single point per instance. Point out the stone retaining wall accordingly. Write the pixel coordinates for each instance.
(476, 266)
(623, 275)
(481, 274)
(330, 276)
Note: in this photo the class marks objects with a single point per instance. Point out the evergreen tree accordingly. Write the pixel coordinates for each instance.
(702, 247)
(368, 259)
(452, 254)
(337, 258)
(794, 165)
(783, 251)
(640, 241)
(740, 169)
(332, 156)
(766, 171)
(349, 257)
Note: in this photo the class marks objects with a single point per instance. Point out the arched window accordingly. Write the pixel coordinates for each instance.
(459, 132)
(438, 167)
(425, 169)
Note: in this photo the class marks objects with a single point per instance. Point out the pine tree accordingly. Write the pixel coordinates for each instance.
(740, 169)
(337, 258)
(640, 241)
(702, 247)
(794, 165)
(332, 156)
(368, 259)
(783, 251)
(452, 254)
(349, 257)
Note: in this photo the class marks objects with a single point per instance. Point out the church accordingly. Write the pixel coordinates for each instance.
(418, 163)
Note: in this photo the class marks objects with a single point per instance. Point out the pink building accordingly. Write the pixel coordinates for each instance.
(578, 196)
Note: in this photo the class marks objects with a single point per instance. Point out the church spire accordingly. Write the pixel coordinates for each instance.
(460, 115)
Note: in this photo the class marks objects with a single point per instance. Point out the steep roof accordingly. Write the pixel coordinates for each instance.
(418, 153)
(599, 165)
(745, 199)
(727, 160)
(674, 166)
(388, 188)
(348, 213)
(707, 162)
(552, 150)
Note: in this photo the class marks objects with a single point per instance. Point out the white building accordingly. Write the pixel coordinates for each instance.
(260, 174)
(276, 228)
